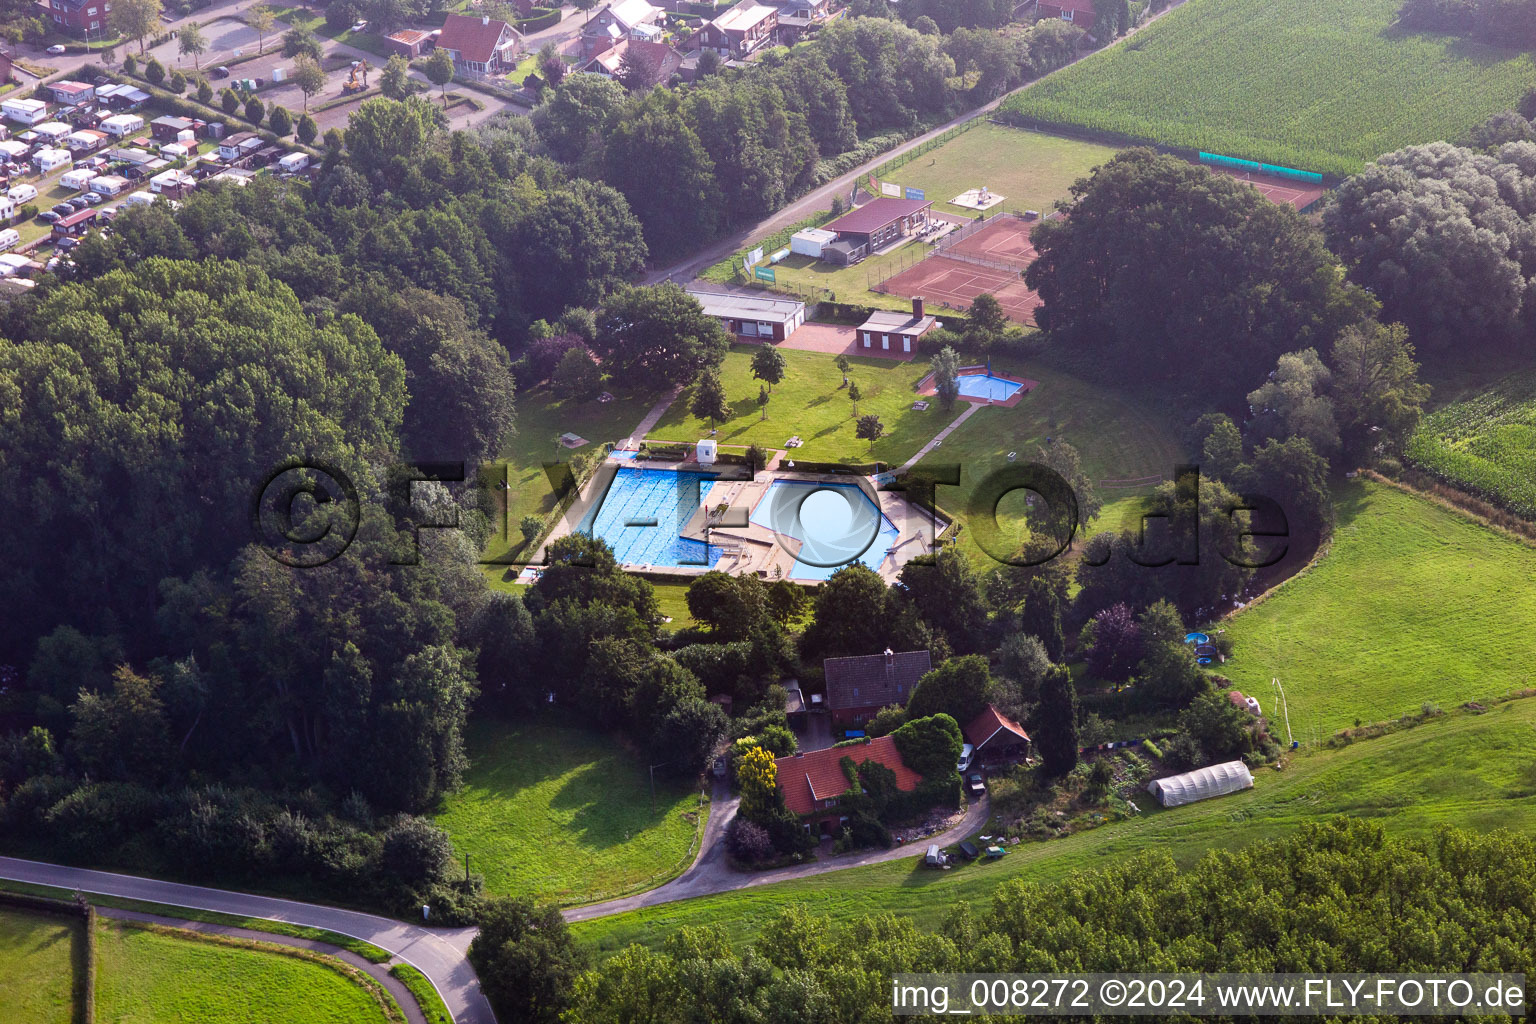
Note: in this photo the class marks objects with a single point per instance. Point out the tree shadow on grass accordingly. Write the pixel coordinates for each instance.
(599, 823)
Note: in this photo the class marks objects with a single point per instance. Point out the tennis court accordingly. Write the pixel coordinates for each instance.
(955, 283)
(1277, 190)
(1005, 240)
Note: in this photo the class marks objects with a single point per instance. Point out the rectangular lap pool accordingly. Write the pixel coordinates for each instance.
(643, 514)
(836, 524)
(984, 385)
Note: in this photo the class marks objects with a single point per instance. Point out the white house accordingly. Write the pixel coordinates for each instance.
(121, 125)
(24, 111)
(46, 160)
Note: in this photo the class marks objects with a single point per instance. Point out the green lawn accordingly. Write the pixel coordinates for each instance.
(146, 977)
(1314, 84)
(1486, 443)
(36, 967)
(1476, 771)
(565, 814)
(1030, 169)
(1118, 437)
(811, 402)
(1412, 604)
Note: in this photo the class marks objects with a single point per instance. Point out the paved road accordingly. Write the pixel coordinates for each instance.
(437, 953)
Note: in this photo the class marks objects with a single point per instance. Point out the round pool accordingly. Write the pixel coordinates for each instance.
(1196, 638)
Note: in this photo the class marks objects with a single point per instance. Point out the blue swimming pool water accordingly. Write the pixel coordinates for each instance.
(637, 498)
(984, 385)
(622, 455)
(864, 534)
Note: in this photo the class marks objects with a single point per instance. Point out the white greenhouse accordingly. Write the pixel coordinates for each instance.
(1201, 784)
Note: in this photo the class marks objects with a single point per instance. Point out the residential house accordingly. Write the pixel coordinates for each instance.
(659, 61)
(71, 93)
(1078, 12)
(621, 19)
(813, 782)
(796, 16)
(753, 316)
(882, 221)
(890, 332)
(995, 737)
(410, 43)
(480, 45)
(84, 18)
(860, 686)
(740, 31)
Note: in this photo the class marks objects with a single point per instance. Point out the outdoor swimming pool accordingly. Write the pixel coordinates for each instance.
(984, 385)
(835, 523)
(643, 514)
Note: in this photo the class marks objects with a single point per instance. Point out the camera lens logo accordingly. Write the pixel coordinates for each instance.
(825, 526)
(306, 515)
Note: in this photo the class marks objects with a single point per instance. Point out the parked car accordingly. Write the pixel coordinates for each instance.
(56, 50)
(77, 202)
(94, 198)
(50, 217)
(977, 787)
(966, 753)
(63, 209)
(219, 72)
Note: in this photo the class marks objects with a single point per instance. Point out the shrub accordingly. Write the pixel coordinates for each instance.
(29, 211)
(178, 83)
(130, 64)
(280, 121)
(154, 71)
(204, 91)
(229, 101)
(416, 851)
(255, 110)
(748, 841)
(308, 131)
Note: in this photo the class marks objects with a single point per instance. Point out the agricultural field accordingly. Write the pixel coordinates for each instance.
(1472, 770)
(1031, 169)
(811, 401)
(149, 977)
(564, 814)
(1314, 84)
(36, 967)
(1486, 443)
(1413, 604)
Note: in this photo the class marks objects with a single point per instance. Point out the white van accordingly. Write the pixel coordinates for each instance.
(9, 239)
(22, 193)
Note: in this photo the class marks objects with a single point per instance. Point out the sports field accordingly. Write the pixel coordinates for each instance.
(1486, 443)
(36, 967)
(147, 977)
(990, 261)
(1472, 770)
(1314, 84)
(1413, 604)
(564, 814)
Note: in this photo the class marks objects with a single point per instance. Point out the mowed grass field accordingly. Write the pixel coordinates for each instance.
(1486, 443)
(1313, 84)
(36, 967)
(144, 977)
(564, 814)
(1475, 771)
(810, 401)
(1118, 437)
(1413, 604)
(1031, 170)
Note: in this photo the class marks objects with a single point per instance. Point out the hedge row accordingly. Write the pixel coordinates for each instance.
(539, 22)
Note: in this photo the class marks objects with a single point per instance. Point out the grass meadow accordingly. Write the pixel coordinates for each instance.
(564, 814)
(36, 967)
(1412, 604)
(1314, 84)
(148, 977)
(1486, 443)
(1473, 770)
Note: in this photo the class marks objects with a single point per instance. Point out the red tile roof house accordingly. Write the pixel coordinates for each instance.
(740, 31)
(858, 687)
(995, 735)
(814, 782)
(659, 61)
(882, 221)
(480, 44)
(1078, 12)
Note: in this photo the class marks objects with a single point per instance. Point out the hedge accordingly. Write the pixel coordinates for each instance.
(538, 22)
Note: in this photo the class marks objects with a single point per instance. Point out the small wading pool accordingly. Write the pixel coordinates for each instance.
(836, 524)
(984, 385)
(643, 514)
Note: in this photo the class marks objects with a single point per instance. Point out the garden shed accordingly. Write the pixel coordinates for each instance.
(1201, 784)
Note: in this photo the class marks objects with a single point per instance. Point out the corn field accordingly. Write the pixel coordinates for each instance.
(1319, 85)
(1486, 444)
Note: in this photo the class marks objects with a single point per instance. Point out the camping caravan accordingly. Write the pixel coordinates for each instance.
(46, 160)
(292, 163)
(9, 239)
(1201, 784)
(22, 193)
(77, 179)
(935, 857)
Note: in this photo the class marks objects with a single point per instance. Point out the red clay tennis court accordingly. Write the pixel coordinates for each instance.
(1276, 190)
(1005, 239)
(956, 283)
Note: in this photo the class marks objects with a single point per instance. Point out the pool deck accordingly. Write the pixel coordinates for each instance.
(928, 387)
(746, 546)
